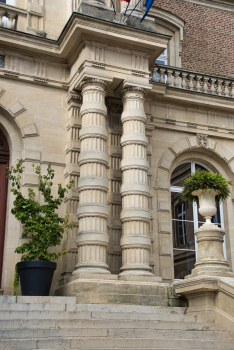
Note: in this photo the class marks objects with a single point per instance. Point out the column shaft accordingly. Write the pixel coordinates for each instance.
(92, 212)
(135, 216)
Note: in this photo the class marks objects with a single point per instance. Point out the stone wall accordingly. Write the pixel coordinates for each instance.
(208, 35)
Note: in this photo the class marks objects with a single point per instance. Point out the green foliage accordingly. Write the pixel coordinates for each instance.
(42, 226)
(204, 180)
(15, 281)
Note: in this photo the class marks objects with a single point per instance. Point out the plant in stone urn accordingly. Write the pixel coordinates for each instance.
(43, 228)
(205, 188)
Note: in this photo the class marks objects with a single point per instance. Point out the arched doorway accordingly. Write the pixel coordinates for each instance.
(4, 160)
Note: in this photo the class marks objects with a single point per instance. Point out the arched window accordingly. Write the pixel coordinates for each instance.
(185, 220)
(4, 160)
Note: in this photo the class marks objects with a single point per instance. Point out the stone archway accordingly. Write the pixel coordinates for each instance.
(165, 166)
(4, 160)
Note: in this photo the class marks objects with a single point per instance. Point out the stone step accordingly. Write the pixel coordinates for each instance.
(142, 316)
(69, 303)
(111, 333)
(114, 343)
(142, 343)
(35, 299)
(130, 308)
(32, 314)
(74, 324)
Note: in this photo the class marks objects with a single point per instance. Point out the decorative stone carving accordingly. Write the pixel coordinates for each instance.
(202, 140)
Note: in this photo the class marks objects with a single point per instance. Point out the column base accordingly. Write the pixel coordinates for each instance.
(92, 275)
(213, 269)
(142, 278)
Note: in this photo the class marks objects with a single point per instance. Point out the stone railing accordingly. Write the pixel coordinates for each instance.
(194, 81)
(12, 17)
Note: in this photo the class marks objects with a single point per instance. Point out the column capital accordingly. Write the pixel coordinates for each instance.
(93, 81)
(134, 89)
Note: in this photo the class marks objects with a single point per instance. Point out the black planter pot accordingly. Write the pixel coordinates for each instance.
(36, 277)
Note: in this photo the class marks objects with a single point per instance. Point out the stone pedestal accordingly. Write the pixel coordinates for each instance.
(203, 287)
(210, 257)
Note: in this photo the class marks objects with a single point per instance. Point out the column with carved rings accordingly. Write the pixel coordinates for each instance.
(92, 212)
(135, 216)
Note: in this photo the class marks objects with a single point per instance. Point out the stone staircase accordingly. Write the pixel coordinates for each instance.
(60, 323)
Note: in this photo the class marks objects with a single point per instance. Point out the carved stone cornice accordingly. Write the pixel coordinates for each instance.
(73, 97)
(93, 81)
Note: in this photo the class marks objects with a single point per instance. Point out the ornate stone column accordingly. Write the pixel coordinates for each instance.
(92, 212)
(135, 216)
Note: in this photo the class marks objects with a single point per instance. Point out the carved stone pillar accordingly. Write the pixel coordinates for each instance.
(72, 172)
(135, 215)
(92, 212)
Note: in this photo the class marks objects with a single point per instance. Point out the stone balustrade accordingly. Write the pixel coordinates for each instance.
(193, 81)
(12, 17)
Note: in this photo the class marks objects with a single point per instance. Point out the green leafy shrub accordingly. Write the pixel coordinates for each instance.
(42, 226)
(204, 180)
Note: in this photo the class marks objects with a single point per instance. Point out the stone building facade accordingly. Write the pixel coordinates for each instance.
(79, 91)
(208, 34)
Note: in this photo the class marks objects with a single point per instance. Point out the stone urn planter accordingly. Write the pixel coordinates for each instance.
(207, 206)
(210, 256)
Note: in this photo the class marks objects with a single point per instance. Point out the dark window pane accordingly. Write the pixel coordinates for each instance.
(178, 207)
(183, 234)
(183, 263)
(199, 167)
(180, 173)
(4, 1)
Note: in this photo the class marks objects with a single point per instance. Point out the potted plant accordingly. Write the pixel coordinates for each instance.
(43, 228)
(205, 188)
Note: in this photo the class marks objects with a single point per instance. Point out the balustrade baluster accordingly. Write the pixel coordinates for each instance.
(161, 72)
(177, 80)
(198, 85)
(226, 90)
(205, 87)
(183, 84)
(232, 91)
(154, 74)
(219, 82)
(191, 77)
(11, 17)
(2, 14)
(169, 77)
(212, 85)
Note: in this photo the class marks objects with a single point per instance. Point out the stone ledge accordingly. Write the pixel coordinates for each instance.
(94, 291)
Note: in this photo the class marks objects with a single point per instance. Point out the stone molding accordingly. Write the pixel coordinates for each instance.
(93, 81)
(134, 89)
(190, 143)
(14, 108)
